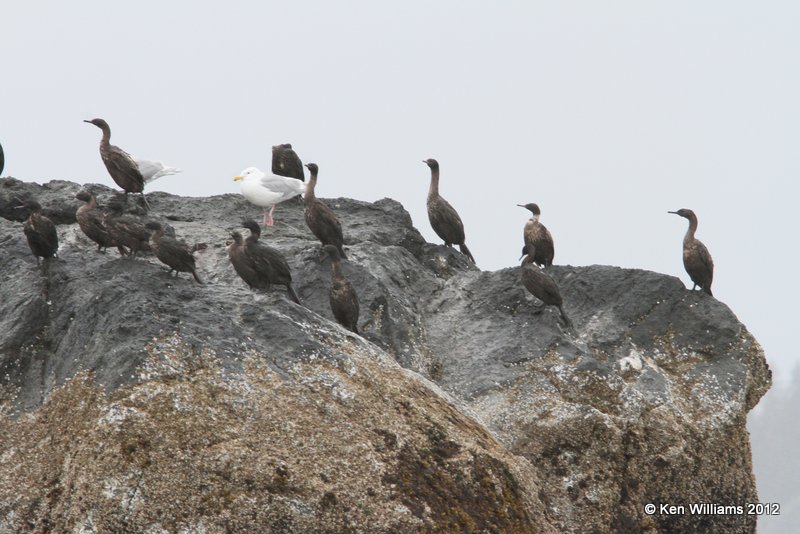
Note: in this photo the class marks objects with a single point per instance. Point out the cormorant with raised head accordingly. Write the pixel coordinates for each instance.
(343, 298)
(538, 236)
(40, 232)
(444, 218)
(177, 255)
(120, 165)
(286, 162)
(321, 220)
(266, 265)
(696, 258)
(267, 190)
(541, 285)
(92, 222)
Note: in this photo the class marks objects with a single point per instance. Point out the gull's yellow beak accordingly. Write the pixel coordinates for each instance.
(237, 178)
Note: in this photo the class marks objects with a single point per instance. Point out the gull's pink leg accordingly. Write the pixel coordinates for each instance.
(265, 218)
(270, 222)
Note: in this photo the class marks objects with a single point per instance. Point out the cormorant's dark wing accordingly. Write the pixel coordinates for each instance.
(269, 262)
(445, 221)
(123, 169)
(2, 160)
(42, 236)
(286, 162)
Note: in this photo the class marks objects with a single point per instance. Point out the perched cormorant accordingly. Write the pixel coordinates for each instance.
(153, 170)
(537, 235)
(540, 284)
(120, 165)
(40, 232)
(127, 230)
(321, 220)
(242, 264)
(286, 162)
(343, 298)
(2, 160)
(267, 190)
(444, 218)
(261, 265)
(696, 258)
(177, 255)
(93, 223)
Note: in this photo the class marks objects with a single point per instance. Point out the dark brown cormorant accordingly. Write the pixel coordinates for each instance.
(537, 235)
(696, 258)
(2, 160)
(40, 232)
(242, 264)
(127, 230)
(265, 266)
(343, 298)
(92, 222)
(541, 285)
(320, 218)
(120, 165)
(444, 218)
(286, 162)
(177, 255)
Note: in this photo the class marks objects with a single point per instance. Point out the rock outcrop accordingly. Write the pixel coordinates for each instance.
(133, 401)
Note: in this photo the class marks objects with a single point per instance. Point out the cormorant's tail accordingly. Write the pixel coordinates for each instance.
(464, 250)
(355, 328)
(292, 293)
(194, 273)
(707, 290)
(341, 252)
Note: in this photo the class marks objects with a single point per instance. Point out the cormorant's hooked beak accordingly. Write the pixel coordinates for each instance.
(673, 212)
(521, 206)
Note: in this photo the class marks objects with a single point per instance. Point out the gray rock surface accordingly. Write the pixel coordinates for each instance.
(459, 410)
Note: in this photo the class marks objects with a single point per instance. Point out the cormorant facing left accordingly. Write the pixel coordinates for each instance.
(541, 285)
(286, 162)
(444, 218)
(538, 236)
(696, 258)
(268, 263)
(175, 254)
(40, 232)
(120, 165)
(92, 222)
(321, 220)
(343, 298)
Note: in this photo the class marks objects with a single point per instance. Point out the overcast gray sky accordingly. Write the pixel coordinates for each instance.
(607, 114)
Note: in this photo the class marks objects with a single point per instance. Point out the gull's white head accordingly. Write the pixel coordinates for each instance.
(249, 172)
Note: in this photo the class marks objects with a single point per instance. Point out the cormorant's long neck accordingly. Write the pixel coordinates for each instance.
(92, 202)
(310, 186)
(535, 217)
(254, 236)
(337, 268)
(434, 189)
(689, 237)
(106, 135)
(529, 258)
